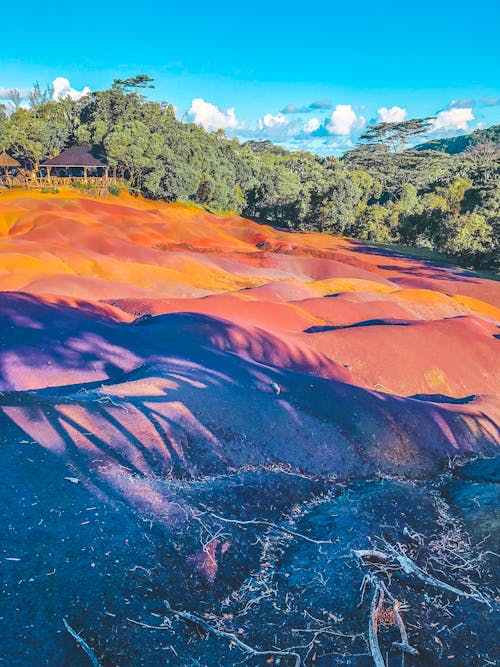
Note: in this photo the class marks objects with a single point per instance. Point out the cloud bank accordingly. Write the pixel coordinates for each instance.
(211, 117)
(61, 89)
(312, 125)
(344, 121)
(270, 121)
(452, 120)
(392, 115)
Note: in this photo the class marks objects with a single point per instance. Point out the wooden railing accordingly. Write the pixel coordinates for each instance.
(74, 182)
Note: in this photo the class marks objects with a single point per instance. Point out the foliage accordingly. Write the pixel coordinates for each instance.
(396, 135)
(431, 196)
(454, 145)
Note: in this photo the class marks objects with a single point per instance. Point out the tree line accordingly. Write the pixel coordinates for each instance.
(381, 191)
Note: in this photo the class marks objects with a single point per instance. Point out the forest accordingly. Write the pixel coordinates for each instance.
(443, 195)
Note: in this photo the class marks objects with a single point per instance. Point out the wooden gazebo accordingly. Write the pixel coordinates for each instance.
(8, 165)
(76, 162)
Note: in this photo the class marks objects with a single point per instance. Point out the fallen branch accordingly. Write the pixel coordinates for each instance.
(376, 604)
(409, 567)
(146, 625)
(83, 644)
(269, 524)
(223, 634)
(404, 645)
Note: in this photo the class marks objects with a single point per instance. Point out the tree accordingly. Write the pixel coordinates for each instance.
(31, 138)
(139, 81)
(396, 135)
(15, 98)
(37, 96)
(372, 224)
(334, 201)
(483, 162)
(133, 149)
(469, 236)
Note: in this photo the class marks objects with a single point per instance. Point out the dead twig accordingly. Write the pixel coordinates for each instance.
(83, 644)
(231, 637)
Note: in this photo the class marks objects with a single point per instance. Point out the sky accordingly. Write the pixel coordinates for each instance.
(307, 75)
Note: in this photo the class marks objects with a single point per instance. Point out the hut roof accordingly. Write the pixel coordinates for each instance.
(76, 156)
(7, 161)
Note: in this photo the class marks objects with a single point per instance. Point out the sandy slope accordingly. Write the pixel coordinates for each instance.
(148, 346)
(371, 374)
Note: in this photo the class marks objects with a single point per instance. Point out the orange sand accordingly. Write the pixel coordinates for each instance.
(144, 257)
(232, 309)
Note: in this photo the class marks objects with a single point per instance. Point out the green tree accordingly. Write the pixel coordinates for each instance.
(133, 149)
(396, 135)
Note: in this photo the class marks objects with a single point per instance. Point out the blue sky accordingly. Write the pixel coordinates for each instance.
(244, 66)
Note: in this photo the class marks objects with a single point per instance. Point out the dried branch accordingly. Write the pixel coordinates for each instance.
(409, 567)
(376, 604)
(150, 627)
(404, 645)
(269, 524)
(83, 644)
(223, 634)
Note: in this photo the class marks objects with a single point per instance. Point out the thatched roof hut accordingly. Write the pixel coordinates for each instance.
(77, 157)
(6, 161)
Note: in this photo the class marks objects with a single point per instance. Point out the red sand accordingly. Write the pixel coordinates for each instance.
(338, 325)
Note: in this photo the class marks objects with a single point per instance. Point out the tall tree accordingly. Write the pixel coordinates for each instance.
(397, 135)
(139, 81)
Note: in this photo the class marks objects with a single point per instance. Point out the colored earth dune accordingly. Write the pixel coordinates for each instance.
(155, 358)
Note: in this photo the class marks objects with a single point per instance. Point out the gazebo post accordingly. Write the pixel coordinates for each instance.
(48, 173)
(106, 173)
(85, 175)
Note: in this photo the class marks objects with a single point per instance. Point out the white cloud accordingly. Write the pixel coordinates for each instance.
(463, 103)
(392, 115)
(311, 126)
(344, 121)
(271, 121)
(61, 88)
(5, 92)
(211, 117)
(453, 119)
